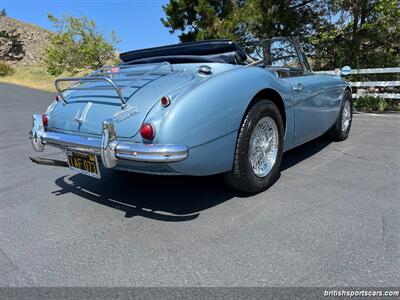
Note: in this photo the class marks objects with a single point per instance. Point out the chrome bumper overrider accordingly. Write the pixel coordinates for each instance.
(108, 147)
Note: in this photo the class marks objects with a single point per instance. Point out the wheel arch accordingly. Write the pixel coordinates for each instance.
(346, 89)
(274, 96)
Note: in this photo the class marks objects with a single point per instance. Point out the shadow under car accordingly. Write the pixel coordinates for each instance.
(166, 198)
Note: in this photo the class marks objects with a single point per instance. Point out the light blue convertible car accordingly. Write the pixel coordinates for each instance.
(198, 109)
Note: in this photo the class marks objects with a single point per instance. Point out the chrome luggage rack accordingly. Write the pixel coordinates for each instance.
(104, 75)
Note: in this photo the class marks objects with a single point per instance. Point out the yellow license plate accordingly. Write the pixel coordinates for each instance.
(84, 163)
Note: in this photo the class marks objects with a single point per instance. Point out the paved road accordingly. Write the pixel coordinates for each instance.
(333, 218)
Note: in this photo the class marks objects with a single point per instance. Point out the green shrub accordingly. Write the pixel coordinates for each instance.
(383, 105)
(5, 70)
(366, 103)
(370, 103)
(77, 45)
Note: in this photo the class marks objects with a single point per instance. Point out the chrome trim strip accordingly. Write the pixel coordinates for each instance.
(108, 147)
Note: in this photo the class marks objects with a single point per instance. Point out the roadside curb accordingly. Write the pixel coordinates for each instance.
(378, 114)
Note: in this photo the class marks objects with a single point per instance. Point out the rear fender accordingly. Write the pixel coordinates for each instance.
(208, 117)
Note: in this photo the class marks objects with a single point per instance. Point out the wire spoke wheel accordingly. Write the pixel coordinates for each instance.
(346, 116)
(341, 129)
(259, 149)
(264, 146)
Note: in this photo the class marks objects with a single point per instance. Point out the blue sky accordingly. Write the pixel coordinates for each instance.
(136, 22)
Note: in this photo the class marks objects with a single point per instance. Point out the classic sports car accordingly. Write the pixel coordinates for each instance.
(198, 108)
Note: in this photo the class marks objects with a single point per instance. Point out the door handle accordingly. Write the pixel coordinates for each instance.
(298, 88)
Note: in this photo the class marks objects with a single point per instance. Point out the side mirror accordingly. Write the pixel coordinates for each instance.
(346, 70)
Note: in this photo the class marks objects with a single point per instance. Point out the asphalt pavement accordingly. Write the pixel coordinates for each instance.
(332, 219)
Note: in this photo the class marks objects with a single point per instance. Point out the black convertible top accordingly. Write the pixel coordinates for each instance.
(224, 51)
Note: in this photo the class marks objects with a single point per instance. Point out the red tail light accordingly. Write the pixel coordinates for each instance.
(45, 120)
(165, 101)
(147, 131)
(57, 98)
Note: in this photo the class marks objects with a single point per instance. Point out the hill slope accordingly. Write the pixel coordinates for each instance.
(22, 43)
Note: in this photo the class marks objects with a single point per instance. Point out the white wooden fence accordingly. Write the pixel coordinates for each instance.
(368, 85)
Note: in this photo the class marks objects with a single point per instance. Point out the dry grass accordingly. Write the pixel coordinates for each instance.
(31, 76)
(37, 77)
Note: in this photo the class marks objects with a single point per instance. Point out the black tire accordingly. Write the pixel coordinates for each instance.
(242, 177)
(336, 133)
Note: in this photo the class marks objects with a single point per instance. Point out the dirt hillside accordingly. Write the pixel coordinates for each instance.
(22, 43)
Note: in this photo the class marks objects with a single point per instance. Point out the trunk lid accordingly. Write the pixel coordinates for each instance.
(141, 86)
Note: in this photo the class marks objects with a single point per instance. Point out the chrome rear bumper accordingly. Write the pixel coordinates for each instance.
(108, 147)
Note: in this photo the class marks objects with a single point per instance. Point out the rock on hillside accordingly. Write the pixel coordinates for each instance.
(22, 43)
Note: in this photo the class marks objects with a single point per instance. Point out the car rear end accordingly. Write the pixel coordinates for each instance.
(86, 116)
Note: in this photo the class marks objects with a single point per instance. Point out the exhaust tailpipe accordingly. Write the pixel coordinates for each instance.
(48, 162)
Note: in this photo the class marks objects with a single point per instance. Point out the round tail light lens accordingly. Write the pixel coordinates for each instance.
(45, 120)
(165, 101)
(147, 131)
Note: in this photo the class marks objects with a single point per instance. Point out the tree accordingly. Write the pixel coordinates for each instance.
(241, 20)
(359, 33)
(202, 19)
(273, 18)
(3, 12)
(363, 34)
(77, 45)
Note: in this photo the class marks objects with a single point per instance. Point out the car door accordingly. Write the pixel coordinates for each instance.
(285, 56)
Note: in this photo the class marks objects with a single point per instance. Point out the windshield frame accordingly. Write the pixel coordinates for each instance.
(266, 44)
